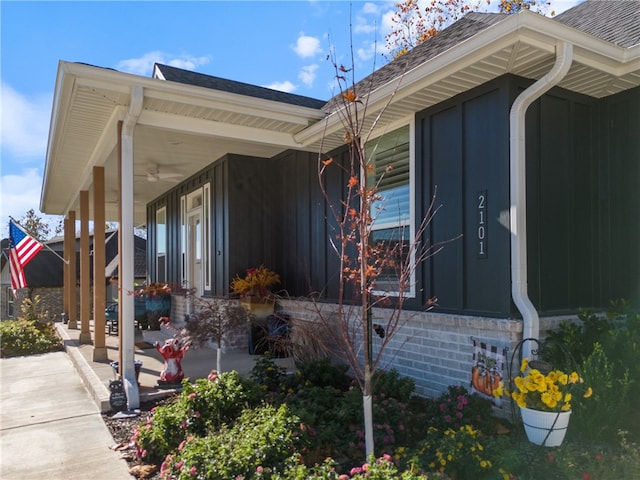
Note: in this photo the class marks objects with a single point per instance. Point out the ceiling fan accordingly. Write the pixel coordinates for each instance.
(154, 174)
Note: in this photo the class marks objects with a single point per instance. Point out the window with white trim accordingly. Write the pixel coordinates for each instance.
(195, 239)
(161, 244)
(390, 160)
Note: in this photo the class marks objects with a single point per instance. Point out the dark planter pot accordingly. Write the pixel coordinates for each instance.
(157, 306)
(137, 364)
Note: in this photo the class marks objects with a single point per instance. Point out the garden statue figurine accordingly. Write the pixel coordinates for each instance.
(173, 350)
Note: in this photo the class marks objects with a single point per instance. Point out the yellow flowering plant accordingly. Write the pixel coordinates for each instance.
(550, 392)
(256, 283)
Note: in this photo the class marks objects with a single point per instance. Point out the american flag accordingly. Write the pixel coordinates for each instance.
(22, 249)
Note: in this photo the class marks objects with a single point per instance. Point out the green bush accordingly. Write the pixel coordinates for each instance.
(456, 408)
(200, 409)
(263, 437)
(382, 468)
(459, 453)
(30, 334)
(605, 349)
(389, 383)
(27, 337)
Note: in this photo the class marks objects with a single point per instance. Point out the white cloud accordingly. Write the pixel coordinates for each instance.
(368, 51)
(19, 193)
(24, 125)
(371, 8)
(308, 74)
(144, 65)
(363, 21)
(285, 86)
(307, 46)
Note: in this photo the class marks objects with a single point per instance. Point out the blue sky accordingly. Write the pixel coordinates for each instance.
(277, 44)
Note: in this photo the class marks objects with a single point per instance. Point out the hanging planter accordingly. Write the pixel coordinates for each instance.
(545, 428)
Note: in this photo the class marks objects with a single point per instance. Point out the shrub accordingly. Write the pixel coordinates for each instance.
(324, 373)
(382, 468)
(30, 334)
(265, 436)
(459, 453)
(605, 349)
(456, 408)
(198, 410)
(389, 383)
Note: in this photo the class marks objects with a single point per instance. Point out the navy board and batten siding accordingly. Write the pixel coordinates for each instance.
(583, 228)
(462, 157)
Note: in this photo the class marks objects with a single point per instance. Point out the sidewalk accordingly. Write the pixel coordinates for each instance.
(50, 422)
(49, 426)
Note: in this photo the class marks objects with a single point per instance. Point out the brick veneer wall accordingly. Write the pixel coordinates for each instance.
(50, 301)
(434, 349)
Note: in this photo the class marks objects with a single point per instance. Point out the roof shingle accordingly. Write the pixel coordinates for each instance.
(179, 75)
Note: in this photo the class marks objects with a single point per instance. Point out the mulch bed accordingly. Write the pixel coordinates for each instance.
(122, 430)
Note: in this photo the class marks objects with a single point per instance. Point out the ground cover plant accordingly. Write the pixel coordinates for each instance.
(30, 334)
(275, 425)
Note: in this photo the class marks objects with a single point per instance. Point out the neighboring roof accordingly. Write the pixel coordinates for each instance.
(46, 268)
(616, 21)
(173, 74)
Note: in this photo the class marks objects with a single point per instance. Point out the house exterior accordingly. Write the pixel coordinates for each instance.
(525, 128)
(45, 275)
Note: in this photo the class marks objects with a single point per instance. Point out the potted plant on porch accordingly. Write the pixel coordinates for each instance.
(157, 298)
(254, 290)
(544, 398)
(255, 294)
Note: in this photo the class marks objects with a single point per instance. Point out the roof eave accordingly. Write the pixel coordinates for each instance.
(525, 26)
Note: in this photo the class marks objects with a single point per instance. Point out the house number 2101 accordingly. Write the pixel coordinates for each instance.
(481, 231)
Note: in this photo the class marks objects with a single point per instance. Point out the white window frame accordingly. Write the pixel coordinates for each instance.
(161, 243)
(196, 201)
(410, 221)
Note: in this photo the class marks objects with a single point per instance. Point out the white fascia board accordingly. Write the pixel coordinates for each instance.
(120, 82)
(526, 27)
(62, 93)
(216, 129)
(232, 102)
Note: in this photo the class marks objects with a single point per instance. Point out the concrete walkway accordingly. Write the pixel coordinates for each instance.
(50, 427)
(50, 422)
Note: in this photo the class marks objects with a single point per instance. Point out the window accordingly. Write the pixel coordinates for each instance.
(161, 244)
(10, 302)
(195, 239)
(392, 227)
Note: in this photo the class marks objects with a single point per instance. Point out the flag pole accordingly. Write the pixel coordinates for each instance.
(15, 222)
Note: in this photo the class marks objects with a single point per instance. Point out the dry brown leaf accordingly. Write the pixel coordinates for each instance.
(142, 471)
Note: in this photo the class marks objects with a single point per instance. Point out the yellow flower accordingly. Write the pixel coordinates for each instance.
(547, 392)
(524, 365)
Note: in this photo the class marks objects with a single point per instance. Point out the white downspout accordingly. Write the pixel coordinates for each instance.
(518, 215)
(126, 232)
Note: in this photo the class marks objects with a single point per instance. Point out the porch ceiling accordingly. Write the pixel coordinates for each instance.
(183, 128)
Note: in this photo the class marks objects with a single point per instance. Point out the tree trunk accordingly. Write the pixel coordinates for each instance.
(219, 356)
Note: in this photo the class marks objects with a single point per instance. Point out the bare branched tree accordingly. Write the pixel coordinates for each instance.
(372, 273)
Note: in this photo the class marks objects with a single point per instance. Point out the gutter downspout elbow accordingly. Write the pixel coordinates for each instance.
(517, 184)
(126, 241)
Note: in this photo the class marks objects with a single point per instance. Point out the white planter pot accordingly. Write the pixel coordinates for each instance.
(545, 428)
